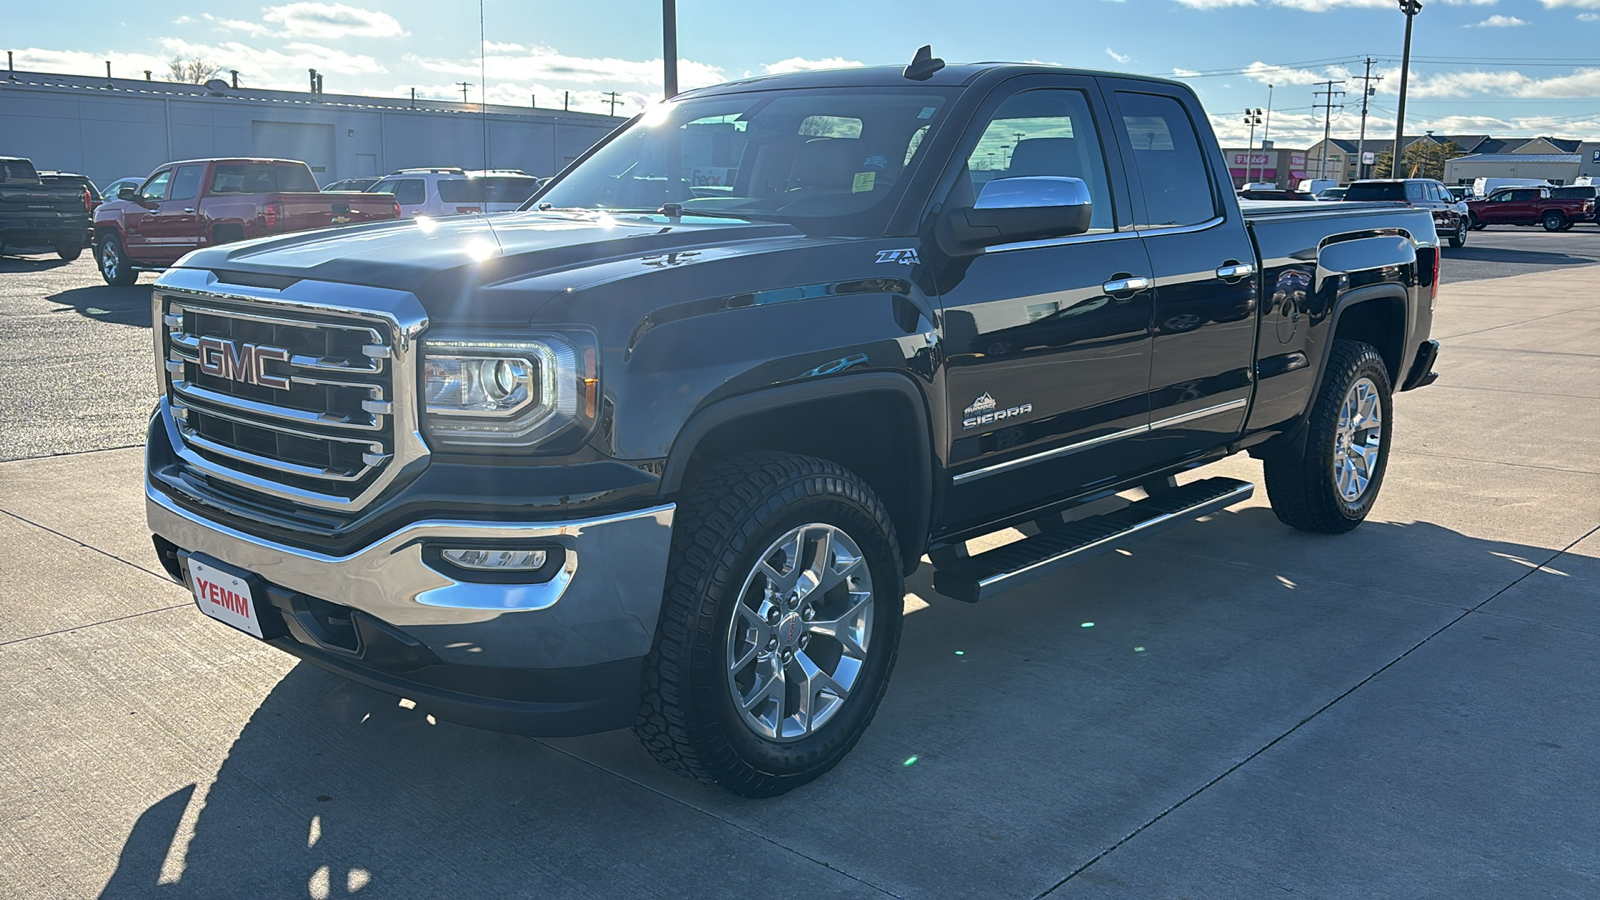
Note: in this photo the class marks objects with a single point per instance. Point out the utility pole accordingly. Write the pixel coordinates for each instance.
(1252, 118)
(1410, 8)
(1327, 95)
(613, 96)
(669, 46)
(1367, 90)
(464, 86)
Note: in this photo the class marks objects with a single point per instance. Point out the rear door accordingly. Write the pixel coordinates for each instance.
(411, 193)
(1047, 342)
(1514, 206)
(1203, 355)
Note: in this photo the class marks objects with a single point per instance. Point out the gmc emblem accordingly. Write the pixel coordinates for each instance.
(242, 362)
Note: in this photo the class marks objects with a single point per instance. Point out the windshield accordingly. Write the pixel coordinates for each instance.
(826, 161)
(1380, 190)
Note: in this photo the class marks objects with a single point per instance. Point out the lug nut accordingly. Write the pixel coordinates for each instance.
(772, 616)
(809, 614)
(788, 655)
(772, 644)
(804, 640)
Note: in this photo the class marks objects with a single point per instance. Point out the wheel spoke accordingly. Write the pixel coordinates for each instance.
(773, 687)
(843, 628)
(817, 683)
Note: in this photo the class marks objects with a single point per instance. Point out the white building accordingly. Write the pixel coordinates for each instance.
(115, 128)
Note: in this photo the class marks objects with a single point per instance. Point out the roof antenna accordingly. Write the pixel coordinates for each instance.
(923, 65)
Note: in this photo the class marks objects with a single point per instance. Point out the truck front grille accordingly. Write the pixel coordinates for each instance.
(294, 398)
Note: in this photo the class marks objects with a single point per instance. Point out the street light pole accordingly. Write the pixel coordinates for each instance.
(1251, 118)
(1410, 8)
(669, 42)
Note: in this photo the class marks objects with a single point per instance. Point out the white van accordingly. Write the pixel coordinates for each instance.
(1485, 186)
(452, 192)
(1315, 186)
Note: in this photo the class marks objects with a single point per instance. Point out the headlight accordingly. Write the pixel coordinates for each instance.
(508, 393)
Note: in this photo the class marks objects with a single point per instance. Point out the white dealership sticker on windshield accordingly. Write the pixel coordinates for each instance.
(224, 597)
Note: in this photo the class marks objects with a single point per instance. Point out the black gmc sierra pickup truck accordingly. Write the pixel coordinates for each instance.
(660, 449)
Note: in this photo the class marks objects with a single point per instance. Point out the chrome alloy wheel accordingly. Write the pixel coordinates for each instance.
(1357, 440)
(799, 638)
(110, 261)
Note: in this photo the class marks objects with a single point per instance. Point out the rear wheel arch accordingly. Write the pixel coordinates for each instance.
(227, 232)
(875, 424)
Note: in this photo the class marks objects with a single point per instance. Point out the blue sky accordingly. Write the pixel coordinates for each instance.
(1506, 67)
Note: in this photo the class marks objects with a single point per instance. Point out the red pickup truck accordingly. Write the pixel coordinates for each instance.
(196, 203)
(1529, 206)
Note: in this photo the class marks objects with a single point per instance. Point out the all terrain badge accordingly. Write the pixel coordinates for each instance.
(985, 411)
(906, 257)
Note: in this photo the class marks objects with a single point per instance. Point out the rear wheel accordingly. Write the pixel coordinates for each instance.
(780, 625)
(1553, 221)
(1474, 224)
(69, 252)
(114, 265)
(1332, 484)
(1459, 239)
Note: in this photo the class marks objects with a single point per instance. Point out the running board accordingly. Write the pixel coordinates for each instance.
(980, 577)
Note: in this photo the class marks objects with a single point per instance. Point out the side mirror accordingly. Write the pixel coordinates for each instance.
(127, 193)
(1020, 209)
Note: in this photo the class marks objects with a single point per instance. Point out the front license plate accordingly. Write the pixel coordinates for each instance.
(224, 597)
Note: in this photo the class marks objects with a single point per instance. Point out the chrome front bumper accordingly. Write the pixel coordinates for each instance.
(601, 606)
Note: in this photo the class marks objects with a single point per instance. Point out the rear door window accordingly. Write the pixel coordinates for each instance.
(1165, 150)
(186, 183)
(1377, 190)
(406, 191)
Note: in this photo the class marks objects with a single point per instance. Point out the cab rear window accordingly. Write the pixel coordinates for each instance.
(261, 178)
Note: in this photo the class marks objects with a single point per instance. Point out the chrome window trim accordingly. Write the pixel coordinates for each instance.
(1062, 241)
(1080, 446)
(356, 305)
(1157, 230)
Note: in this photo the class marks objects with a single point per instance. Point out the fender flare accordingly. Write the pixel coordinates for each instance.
(708, 419)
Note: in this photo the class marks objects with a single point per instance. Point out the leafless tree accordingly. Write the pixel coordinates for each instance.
(193, 71)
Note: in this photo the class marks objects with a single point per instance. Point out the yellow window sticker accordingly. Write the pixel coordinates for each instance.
(863, 182)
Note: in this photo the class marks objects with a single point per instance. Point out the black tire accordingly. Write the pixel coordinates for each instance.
(1302, 487)
(113, 262)
(1474, 224)
(1553, 221)
(227, 234)
(69, 252)
(727, 519)
(1459, 239)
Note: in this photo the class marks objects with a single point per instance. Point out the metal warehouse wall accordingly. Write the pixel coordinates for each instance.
(109, 129)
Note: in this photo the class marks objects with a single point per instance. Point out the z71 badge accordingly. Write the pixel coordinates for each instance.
(984, 411)
(906, 257)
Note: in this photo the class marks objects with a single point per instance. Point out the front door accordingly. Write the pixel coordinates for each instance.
(1047, 342)
(1205, 280)
(136, 218)
(173, 227)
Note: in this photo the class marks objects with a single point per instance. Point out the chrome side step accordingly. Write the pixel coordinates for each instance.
(980, 577)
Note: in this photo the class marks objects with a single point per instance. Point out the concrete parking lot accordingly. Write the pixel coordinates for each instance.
(1230, 709)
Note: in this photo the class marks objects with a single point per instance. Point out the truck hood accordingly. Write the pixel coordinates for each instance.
(482, 268)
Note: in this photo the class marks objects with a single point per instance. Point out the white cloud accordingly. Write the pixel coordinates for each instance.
(1589, 17)
(262, 67)
(800, 64)
(1121, 58)
(332, 20)
(1499, 22)
(1183, 73)
(1215, 4)
(547, 65)
(81, 62)
(1579, 4)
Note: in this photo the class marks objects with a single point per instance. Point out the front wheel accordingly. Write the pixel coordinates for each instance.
(779, 627)
(1459, 239)
(1553, 221)
(114, 265)
(1332, 484)
(1476, 225)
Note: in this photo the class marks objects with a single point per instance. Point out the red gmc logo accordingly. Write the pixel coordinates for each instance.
(242, 362)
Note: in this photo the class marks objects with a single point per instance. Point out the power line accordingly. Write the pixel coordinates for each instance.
(613, 96)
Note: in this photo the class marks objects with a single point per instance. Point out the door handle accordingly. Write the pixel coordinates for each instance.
(1126, 285)
(1235, 270)
(188, 209)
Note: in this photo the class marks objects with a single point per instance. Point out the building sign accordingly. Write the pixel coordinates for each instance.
(1368, 158)
(1251, 159)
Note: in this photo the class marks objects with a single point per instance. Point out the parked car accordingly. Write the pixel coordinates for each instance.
(1529, 206)
(352, 184)
(658, 456)
(1315, 186)
(1460, 193)
(1579, 192)
(79, 183)
(1275, 194)
(1333, 193)
(1485, 185)
(38, 216)
(110, 191)
(453, 192)
(1449, 216)
(201, 202)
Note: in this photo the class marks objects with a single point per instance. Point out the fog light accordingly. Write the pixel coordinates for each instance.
(496, 560)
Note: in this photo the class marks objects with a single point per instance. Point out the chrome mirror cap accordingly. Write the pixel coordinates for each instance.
(1033, 191)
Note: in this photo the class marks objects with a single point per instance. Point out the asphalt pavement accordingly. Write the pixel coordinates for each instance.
(1229, 709)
